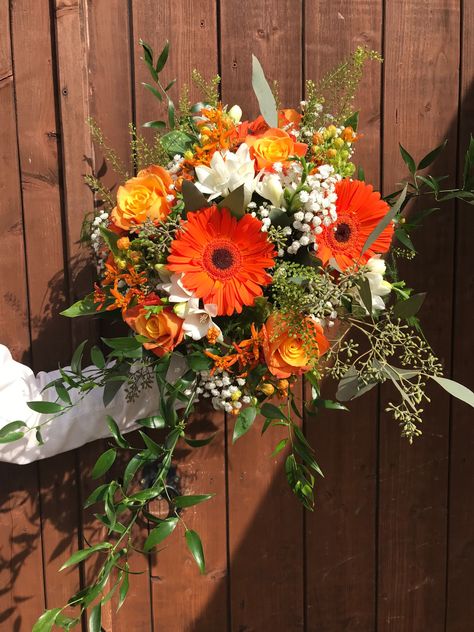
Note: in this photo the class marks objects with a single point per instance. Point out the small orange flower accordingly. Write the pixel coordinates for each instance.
(143, 197)
(221, 363)
(164, 328)
(274, 145)
(286, 353)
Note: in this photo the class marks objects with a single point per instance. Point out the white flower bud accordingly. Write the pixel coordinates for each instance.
(235, 113)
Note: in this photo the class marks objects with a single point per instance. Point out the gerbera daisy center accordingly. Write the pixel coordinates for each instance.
(221, 259)
(343, 232)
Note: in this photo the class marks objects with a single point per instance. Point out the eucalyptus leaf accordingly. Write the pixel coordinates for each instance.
(195, 546)
(235, 202)
(265, 98)
(193, 199)
(365, 293)
(409, 307)
(455, 389)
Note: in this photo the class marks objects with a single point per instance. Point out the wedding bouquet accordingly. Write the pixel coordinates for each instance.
(243, 255)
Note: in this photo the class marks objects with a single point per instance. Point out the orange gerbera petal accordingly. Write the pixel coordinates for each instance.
(359, 210)
(222, 259)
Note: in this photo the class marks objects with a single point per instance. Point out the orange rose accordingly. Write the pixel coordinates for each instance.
(274, 145)
(286, 354)
(164, 328)
(143, 197)
(289, 118)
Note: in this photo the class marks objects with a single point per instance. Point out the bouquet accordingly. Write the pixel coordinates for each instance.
(244, 255)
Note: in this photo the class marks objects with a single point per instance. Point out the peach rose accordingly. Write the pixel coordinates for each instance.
(143, 197)
(164, 328)
(274, 145)
(286, 354)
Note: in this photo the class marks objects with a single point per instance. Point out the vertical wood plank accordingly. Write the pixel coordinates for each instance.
(460, 605)
(265, 519)
(340, 534)
(32, 52)
(421, 60)
(182, 599)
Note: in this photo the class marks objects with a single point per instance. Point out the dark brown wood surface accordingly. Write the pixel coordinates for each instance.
(390, 546)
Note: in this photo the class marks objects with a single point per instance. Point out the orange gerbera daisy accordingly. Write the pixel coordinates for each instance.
(359, 210)
(222, 259)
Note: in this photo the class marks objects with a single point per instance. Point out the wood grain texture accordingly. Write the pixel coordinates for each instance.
(460, 605)
(421, 61)
(265, 519)
(340, 534)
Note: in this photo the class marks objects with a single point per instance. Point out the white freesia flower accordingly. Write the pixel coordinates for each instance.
(270, 188)
(235, 113)
(227, 172)
(376, 269)
(197, 321)
(176, 290)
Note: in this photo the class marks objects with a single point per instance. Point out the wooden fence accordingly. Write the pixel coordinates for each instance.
(391, 543)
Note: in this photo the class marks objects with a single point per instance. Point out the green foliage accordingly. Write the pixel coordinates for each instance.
(209, 89)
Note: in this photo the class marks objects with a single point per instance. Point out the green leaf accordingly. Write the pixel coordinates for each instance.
(155, 124)
(124, 343)
(176, 142)
(348, 385)
(159, 533)
(279, 217)
(197, 361)
(352, 121)
(365, 293)
(193, 199)
(13, 426)
(360, 174)
(329, 404)
(385, 221)
(46, 621)
(468, 176)
(410, 307)
(280, 446)
(135, 463)
(407, 159)
(104, 463)
(99, 493)
(110, 239)
(199, 443)
(97, 357)
(170, 85)
(154, 448)
(189, 501)
(155, 421)
(155, 92)
(195, 546)
(12, 436)
(83, 554)
(148, 58)
(272, 412)
(235, 202)
(455, 389)
(265, 98)
(76, 360)
(95, 618)
(123, 589)
(62, 393)
(404, 239)
(162, 59)
(117, 435)
(84, 307)
(244, 421)
(45, 408)
(431, 156)
(171, 121)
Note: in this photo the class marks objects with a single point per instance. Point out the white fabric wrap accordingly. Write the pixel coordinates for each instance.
(84, 422)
